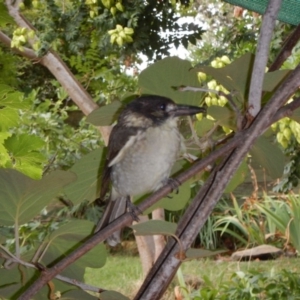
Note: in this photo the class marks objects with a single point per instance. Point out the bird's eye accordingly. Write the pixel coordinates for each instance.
(162, 106)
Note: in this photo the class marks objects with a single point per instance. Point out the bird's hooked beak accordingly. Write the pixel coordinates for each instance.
(186, 110)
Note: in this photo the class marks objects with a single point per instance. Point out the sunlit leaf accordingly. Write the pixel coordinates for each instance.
(22, 198)
(8, 118)
(25, 153)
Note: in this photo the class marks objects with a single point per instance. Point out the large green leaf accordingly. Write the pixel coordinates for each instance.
(88, 171)
(273, 79)
(112, 295)
(269, 156)
(176, 201)
(238, 177)
(153, 227)
(22, 198)
(223, 115)
(234, 77)
(104, 116)
(70, 236)
(162, 76)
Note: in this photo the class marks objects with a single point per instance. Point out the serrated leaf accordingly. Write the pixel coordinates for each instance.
(112, 295)
(193, 253)
(161, 78)
(235, 76)
(238, 177)
(104, 116)
(25, 152)
(5, 17)
(9, 118)
(11, 98)
(176, 201)
(22, 198)
(154, 227)
(223, 115)
(88, 170)
(269, 156)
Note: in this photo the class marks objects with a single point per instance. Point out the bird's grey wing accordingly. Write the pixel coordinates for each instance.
(120, 136)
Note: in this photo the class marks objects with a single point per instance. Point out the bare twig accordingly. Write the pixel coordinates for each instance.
(286, 50)
(9, 256)
(261, 57)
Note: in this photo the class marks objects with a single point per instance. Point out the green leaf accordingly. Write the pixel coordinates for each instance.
(63, 240)
(296, 115)
(88, 171)
(238, 178)
(12, 98)
(176, 201)
(223, 115)
(162, 76)
(203, 126)
(8, 118)
(273, 79)
(77, 294)
(22, 198)
(235, 76)
(25, 152)
(4, 155)
(104, 116)
(193, 253)
(153, 227)
(269, 156)
(5, 17)
(112, 295)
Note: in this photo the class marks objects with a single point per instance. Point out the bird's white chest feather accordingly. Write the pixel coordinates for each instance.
(146, 159)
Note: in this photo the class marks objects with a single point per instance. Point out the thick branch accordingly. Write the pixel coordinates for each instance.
(197, 213)
(285, 92)
(261, 57)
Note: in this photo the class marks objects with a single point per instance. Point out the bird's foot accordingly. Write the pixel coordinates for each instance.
(174, 183)
(133, 210)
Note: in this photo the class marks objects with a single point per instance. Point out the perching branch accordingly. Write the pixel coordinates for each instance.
(264, 120)
(261, 57)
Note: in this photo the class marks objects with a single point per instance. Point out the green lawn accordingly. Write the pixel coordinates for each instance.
(123, 273)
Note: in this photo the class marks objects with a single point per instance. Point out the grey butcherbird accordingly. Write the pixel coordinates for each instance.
(142, 149)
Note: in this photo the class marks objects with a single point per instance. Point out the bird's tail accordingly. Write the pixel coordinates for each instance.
(115, 208)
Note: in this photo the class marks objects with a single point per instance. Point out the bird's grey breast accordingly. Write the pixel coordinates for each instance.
(147, 159)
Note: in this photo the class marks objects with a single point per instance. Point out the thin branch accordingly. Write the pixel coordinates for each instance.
(286, 50)
(9, 256)
(261, 57)
(28, 53)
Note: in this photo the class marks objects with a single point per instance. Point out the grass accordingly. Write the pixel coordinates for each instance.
(123, 273)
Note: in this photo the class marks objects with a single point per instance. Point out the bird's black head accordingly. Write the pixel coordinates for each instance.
(154, 110)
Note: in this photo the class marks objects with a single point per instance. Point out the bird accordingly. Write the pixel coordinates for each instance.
(142, 148)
